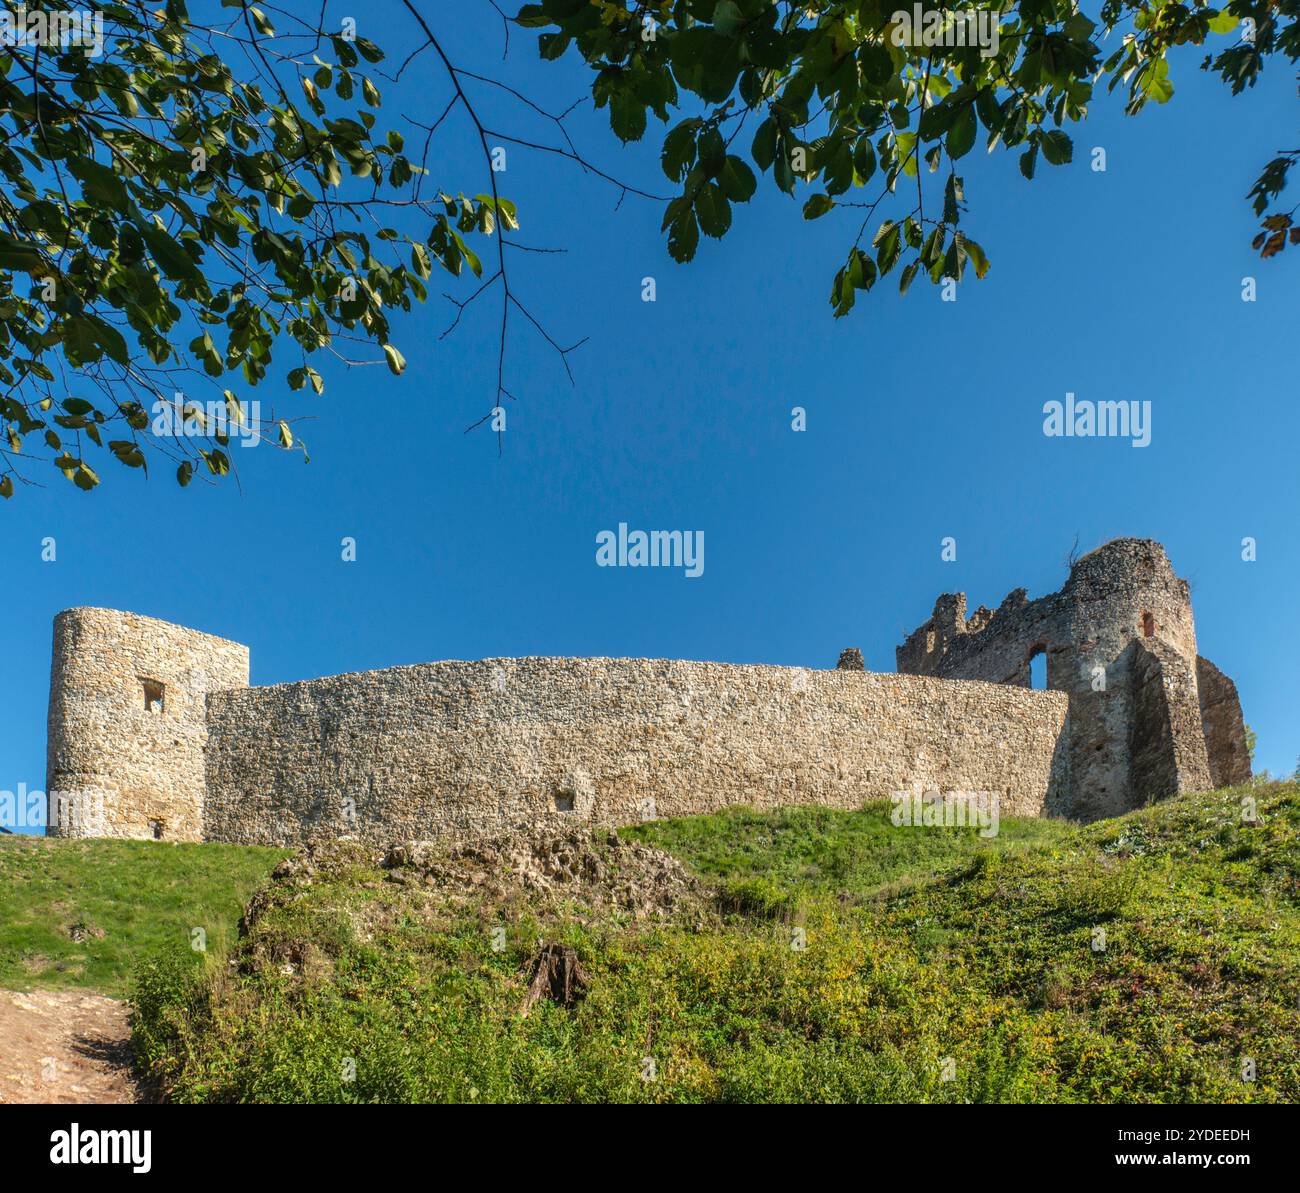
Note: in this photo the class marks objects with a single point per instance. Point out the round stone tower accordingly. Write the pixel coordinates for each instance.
(1120, 640)
(128, 724)
(1122, 622)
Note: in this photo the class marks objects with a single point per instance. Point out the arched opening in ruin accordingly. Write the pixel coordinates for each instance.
(1148, 625)
(1038, 668)
(154, 695)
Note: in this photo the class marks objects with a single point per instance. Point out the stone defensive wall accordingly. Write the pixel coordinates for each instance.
(463, 747)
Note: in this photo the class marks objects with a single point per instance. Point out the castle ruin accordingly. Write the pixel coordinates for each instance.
(154, 731)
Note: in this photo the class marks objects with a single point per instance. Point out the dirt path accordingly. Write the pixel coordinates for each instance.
(66, 1046)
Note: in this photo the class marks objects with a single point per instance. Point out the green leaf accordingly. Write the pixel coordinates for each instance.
(888, 249)
(727, 18)
(128, 452)
(961, 133)
(1057, 147)
(763, 150)
(861, 270)
(737, 180)
(782, 168)
(172, 259)
(713, 210)
(1153, 82)
(817, 206)
(100, 185)
(683, 237)
(627, 116)
(264, 26)
(952, 197)
(678, 153)
(1079, 27)
(421, 262)
(864, 160)
(843, 294)
(396, 361)
(907, 153)
(976, 255)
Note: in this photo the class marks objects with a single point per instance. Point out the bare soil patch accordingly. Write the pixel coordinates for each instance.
(64, 1047)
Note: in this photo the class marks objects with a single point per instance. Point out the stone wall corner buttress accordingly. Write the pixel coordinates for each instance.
(1223, 726)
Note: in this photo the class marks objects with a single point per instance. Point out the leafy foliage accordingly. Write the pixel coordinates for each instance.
(170, 226)
(845, 96)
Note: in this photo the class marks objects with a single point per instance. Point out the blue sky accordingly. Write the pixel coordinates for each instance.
(924, 420)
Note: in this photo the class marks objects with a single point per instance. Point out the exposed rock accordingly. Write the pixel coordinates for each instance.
(553, 865)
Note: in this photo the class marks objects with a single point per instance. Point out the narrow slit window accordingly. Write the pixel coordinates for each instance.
(1038, 670)
(1148, 626)
(154, 696)
(156, 830)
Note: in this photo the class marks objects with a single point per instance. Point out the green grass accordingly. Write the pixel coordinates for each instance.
(1152, 958)
(145, 897)
(823, 849)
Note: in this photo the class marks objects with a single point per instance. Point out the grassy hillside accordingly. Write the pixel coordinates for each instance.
(84, 913)
(1155, 957)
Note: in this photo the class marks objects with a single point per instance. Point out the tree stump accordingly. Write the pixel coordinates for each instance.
(557, 975)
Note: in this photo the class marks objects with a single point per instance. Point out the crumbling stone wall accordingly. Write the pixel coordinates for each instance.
(114, 767)
(463, 748)
(1223, 726)
(154, 732)
(1124, 592)
(1166, 745)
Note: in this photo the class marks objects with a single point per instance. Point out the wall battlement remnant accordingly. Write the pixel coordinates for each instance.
(154, 730)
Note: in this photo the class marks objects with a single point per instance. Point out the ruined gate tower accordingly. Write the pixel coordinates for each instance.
(1148, 716)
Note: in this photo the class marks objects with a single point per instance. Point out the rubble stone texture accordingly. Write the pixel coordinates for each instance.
(114, 766)
(154, 731)
(1148, 716)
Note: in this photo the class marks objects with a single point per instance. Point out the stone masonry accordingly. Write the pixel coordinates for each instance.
(1148, 716)
(128, 724)
(154, 731)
